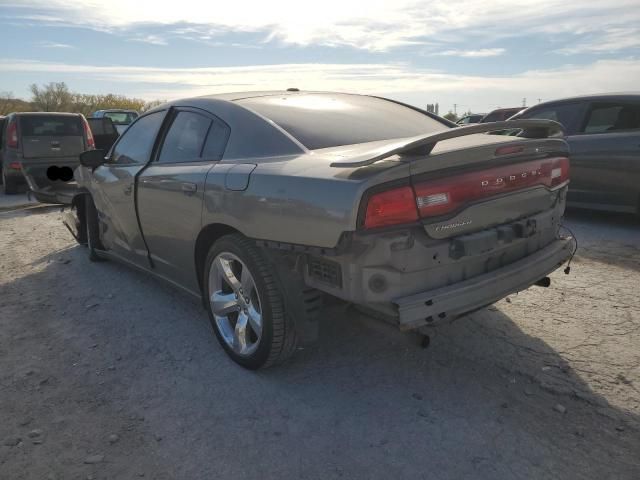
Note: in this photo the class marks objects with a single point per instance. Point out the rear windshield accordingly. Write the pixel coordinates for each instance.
(330, 120)
(50, 126)
(121, 118)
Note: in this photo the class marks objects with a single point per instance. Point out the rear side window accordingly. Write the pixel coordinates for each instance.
(136, 143)
(326, 120)
(50, 126)
(566, 114)
(612, 117)
(185, 138)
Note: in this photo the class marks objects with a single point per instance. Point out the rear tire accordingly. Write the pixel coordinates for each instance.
(246, 304)
(9, 185)
(93, 229)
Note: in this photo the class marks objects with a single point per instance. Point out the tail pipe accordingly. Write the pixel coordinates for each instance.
(543, 282)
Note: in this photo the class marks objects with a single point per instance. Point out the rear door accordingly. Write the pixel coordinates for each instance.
(605, 157)
(113, 188)
(171, 191)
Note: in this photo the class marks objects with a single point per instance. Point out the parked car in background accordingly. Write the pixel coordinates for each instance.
(500, 114)
(471, 118)
(2, 128)
(259, 203)
(104, 132)
(120, 118)
(43, 148)
(603, 132)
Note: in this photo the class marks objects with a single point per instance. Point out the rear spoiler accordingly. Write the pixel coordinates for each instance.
(424, 144)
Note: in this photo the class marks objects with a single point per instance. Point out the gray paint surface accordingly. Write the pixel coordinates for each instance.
(270, 188)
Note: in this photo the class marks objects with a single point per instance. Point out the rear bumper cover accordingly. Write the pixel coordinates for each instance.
(448, 302)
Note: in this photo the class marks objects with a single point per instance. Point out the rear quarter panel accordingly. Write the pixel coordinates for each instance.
(283, 205)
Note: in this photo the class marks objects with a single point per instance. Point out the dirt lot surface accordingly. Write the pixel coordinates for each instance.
(108, 374)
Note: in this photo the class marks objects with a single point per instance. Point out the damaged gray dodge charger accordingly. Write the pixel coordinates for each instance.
(261, 203)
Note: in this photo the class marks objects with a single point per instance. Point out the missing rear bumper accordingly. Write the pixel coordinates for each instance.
(447, 302)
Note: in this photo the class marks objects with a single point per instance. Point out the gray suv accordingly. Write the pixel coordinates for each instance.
(43, 148)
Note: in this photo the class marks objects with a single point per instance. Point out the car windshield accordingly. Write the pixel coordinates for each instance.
(325, 120)
(50, 125)
(121, 118)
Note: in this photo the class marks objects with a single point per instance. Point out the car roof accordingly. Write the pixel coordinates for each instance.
(53, 114)
(594, 97)
(117, 110)
(234, 96)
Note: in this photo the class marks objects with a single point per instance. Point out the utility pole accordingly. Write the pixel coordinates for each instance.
(455, 109)
(524, 102)
(539, 100)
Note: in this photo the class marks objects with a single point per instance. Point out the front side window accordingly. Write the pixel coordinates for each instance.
(185, 138)
(136, 143)
(612, 117)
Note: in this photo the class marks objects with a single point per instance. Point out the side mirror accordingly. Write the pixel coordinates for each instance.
(92, 158)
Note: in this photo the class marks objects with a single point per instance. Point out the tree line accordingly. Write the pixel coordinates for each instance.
(56, 97)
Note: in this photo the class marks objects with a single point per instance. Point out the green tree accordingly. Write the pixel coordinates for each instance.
(9, 104)
(452, 117)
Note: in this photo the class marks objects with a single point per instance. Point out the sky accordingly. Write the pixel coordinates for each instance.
(469, 55)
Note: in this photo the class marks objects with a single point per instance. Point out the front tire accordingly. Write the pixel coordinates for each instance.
(245, 304)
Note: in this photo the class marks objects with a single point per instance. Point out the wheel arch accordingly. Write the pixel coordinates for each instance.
(208, 235)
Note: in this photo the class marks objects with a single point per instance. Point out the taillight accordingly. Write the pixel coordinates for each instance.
(443, 196)
(391, 207)
(559, 171)
(91, 143)
(439, 197)
(12, 134)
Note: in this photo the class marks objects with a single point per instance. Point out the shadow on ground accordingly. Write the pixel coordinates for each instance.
(92, 350)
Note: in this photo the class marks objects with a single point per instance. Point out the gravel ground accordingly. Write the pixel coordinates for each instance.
(106, 373)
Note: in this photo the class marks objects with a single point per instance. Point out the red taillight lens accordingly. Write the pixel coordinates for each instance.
(12, 134)
(559, 171)
(88, 133)
(391, 208)
(14, 165)
(439, 197)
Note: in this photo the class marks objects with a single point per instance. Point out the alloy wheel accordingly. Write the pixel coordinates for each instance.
(235, 303)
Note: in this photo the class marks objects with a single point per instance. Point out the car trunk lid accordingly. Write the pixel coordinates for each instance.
(490, 184)
(461, 182)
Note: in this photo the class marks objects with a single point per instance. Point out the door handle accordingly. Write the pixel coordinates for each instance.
(189, 188)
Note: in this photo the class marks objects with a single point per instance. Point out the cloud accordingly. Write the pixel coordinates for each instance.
(151, 39)
(397, 80)
(374, 25)
(50, 44)
(607, 41)
(481, 53)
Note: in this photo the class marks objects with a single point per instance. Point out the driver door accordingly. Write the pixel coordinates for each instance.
(113, 186)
